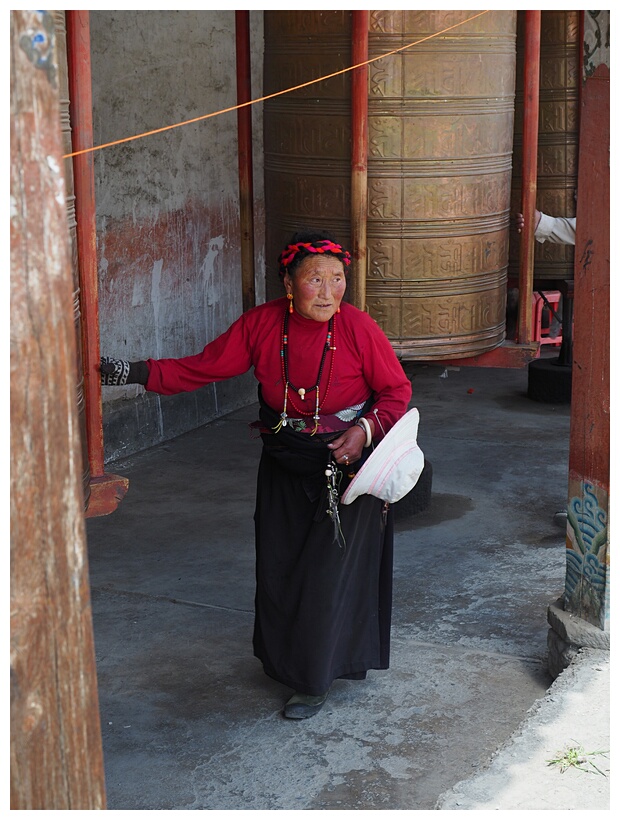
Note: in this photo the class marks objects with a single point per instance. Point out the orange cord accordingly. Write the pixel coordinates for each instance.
(276, 94)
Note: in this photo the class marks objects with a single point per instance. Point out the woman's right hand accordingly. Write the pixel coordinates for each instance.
(118, 372)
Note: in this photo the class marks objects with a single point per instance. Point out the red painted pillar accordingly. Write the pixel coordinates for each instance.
(587, 568)
(106, 491)
(244, 130)
(359, 156)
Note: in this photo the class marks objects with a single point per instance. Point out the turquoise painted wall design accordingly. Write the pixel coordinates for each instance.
(586, 589)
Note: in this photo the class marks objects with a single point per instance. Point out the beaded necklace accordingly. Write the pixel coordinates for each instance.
(301, 391)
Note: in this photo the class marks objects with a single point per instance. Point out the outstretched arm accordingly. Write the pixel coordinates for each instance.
(227, 356)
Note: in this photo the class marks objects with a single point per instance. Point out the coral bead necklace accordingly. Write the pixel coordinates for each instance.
(289, 387)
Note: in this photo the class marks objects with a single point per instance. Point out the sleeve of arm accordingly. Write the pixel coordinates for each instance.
(391, 387)
(227, 356)
(559, 230)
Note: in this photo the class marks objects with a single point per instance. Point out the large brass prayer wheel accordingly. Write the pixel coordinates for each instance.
(441, 119)
(558, 138)
(441, 115)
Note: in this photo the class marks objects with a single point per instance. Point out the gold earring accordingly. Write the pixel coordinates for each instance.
(289, 296)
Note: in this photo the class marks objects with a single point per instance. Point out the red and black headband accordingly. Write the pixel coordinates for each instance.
(295, 253)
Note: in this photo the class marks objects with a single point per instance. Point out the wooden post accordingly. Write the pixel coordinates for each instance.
(581, 617)
(56, 754)
(531, 88)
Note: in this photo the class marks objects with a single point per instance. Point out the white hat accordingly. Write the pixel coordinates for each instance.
(394, 466)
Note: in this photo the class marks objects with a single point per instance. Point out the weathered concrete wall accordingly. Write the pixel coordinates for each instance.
(168, 233)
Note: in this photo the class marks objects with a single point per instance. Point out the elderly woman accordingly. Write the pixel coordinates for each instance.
(329, 385)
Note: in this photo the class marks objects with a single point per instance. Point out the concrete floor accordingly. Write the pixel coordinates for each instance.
(190, 721)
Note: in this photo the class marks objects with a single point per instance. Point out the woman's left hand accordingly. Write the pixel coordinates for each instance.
(348, 447)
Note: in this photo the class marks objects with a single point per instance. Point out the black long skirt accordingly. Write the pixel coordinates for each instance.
(321, 612)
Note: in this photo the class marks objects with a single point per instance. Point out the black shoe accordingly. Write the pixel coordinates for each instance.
(302, 706)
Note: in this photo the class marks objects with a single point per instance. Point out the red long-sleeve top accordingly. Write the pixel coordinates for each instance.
(364, 363)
